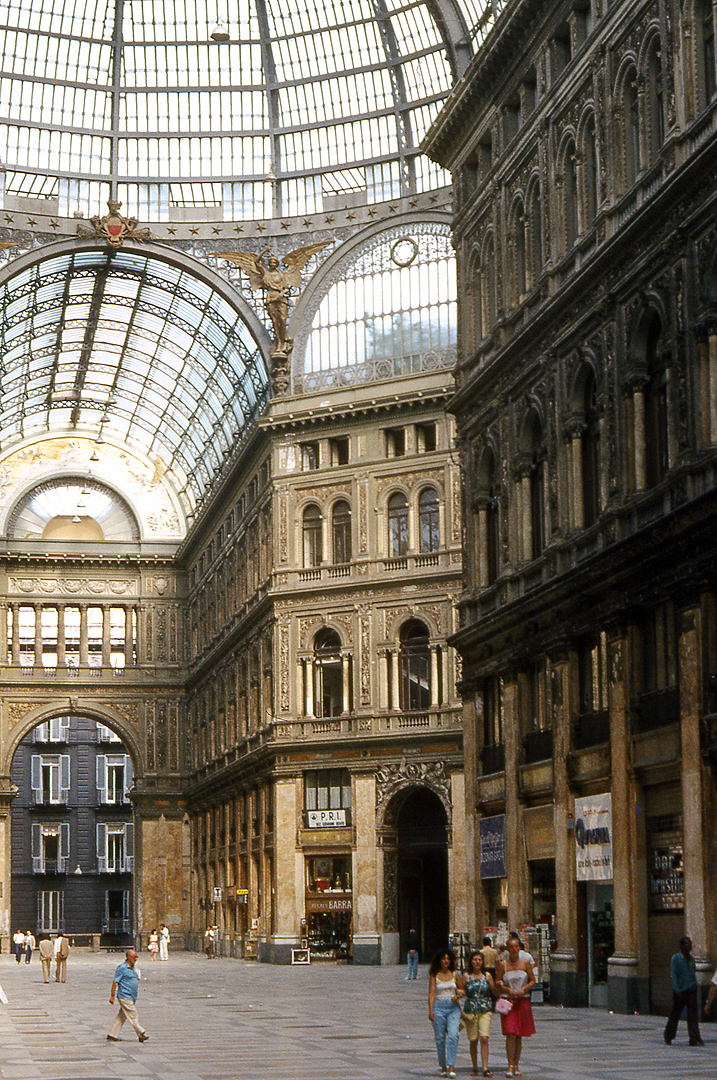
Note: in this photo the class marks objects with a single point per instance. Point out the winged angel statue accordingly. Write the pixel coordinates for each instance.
(276, 283)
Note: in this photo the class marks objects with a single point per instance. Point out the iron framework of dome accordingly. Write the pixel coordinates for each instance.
(300, 108)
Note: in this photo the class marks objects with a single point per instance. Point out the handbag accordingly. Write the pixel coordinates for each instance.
(503, 1006)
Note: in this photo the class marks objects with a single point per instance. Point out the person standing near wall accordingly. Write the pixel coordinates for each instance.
(29, 945)
(683, 975)
(412, 951)
(62, 951)
(163, 942)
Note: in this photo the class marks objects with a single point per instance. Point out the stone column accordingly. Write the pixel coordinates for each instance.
(384, 668)
(61, 659)
(3, 632)
(395, 698)
(481, 518)
(105, 635)
(15, 609)
(37, 608)
(345, 686)
(83, 634)
(567, 985)
(519, 906)
(128, 636)
(434, 676)
(575, 434)
(300, 683)
(639, 439)
(7, 794)
(287, 909)
(366, 941)
(712, 397)
(697, 828)
(628, 990)
(309, 668)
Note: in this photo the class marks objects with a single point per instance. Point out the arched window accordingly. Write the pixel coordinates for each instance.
(706, 57)
(536, 234)
(590, 454)
(570, 197)
(341, 532)
(631, 128)
(329, 693)
(519, 263)
(536, 476)
(397, 525)
(655, 103)
(590, 172)
(312, 536)
(428, 521)
(415, 667)
(656, 438)
(489, 289)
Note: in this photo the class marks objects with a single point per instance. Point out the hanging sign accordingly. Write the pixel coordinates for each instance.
(593, 838)
(492, 847)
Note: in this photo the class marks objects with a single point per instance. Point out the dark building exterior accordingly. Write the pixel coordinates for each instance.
(72, 831)
(582, 146)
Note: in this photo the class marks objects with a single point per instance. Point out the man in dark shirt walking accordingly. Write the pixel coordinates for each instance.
(125, 986)
(683, 975)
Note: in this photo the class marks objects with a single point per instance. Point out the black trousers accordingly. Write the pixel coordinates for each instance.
(688, 999)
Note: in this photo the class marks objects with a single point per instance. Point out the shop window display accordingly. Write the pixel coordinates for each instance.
(329, 906)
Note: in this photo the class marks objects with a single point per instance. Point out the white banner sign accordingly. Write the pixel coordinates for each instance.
(593, 838)
(326, 819)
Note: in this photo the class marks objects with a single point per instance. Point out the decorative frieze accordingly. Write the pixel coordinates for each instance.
(76, 587)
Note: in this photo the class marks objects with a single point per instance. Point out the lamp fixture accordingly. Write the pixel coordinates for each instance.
(76, 519)
(94, 456)
(220, 32)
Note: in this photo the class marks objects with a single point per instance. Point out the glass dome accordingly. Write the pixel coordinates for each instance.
(278, 110)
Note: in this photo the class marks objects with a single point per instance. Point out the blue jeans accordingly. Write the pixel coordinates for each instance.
(446, 1026)
(412, 959)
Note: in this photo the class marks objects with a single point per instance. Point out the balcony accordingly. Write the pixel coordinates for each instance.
(43, 865)
(591, 729)
(537, 746)
(493, 758)
(116, 926)
(656, 709)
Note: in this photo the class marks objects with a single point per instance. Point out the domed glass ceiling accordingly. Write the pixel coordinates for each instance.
(134, 350)
(302, 106)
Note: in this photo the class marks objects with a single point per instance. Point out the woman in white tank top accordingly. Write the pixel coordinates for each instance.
(515, 979)
(445, 987)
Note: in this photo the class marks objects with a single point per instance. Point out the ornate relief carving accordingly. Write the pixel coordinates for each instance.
(456, 501)
(149, 641)
(392, 778)
(407, 480)
(390, 615)
(390, 888)
(323, 491)
(27, 586)
(18, 710)
(284, 667)
(308, 623)
(129, 712)
(161, 634)
(362, 515)
(365, 634)
(283, 528)
(149, 726)
(436, 613)
(161, 584)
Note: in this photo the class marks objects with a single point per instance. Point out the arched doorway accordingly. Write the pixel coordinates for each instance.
(72, 831)
(422, 870)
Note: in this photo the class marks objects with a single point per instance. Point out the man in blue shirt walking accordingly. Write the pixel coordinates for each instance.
(683, 975)
(125, 987)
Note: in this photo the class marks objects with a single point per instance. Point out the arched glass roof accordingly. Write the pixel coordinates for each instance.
(301, 104)
(134, 349)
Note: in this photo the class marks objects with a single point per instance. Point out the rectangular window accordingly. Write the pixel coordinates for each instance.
(55, 730)
(114, 778)
(339, 449)
(115, 850)
(426, 437)
(50, 848)
(50, 779)
(395, 442)
(309, 456)
(105, 734)
(327, 789)
(50, 912)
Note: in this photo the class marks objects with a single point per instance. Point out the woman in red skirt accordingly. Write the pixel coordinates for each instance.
(514, 980)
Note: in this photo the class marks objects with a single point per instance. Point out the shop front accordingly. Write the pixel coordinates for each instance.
(329, 907)
(594, 874)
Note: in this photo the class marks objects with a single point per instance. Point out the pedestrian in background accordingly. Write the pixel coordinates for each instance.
(153, 945)
(61, 952)
(711, 994)
(18, 942)
(125, 985)
(209, 942)
(47, 950)
(29, 945)
(490, 957)
(412, 952)
(683, 976)
(163, 942)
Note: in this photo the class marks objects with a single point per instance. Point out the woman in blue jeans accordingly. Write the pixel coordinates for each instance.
(444, 990)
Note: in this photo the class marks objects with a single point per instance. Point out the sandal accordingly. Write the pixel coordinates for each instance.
(509, 1071)
(487, 1072)
(516, 1071)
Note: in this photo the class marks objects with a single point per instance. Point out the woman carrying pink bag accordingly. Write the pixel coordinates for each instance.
(515, 979)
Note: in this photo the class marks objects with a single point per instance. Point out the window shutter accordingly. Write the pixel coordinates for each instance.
(61, 910)
(129, 847)
(36, 848)
(128, 776)
(54, 726)
(65, 843)
(64, 778)
(64, 733)
(40, 733)
(126, 896)
(36, 777)
(102, 849)
(101, 770)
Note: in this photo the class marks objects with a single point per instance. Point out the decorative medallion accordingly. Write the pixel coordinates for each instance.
(113, 228)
